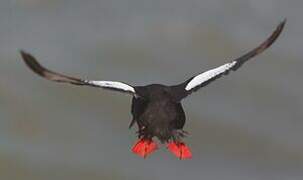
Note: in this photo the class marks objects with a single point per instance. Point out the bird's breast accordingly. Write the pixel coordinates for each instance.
(160, 112)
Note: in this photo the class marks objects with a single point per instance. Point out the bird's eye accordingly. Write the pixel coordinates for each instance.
(139, 97)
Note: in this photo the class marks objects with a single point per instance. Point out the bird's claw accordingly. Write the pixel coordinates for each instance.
(144, 147)
(179, 149)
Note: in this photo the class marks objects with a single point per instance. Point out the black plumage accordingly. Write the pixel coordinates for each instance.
(157, 108)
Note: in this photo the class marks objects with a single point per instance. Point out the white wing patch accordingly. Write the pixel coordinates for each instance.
(113, 84)
(203, 77)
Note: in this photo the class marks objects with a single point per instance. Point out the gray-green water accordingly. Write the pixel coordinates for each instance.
(246, 126)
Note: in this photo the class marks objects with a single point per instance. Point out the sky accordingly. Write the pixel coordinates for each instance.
(245, 126)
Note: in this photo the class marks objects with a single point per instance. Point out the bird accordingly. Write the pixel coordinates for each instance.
(157, 109)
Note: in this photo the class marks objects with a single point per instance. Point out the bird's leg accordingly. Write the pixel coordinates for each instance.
(144, 147)
(177, 146)
(141, 132)
(179, 134)
(179, 149)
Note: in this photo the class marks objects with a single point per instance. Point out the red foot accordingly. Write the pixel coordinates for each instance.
(180, 150)
(144, 147)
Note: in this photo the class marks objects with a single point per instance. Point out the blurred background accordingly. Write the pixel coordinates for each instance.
(245, 126)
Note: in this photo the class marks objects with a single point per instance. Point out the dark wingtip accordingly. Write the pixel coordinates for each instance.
(281, 25)
(32, 63)
(23, 54)
(284, 21)
(276, 33)
(262, 47)
(27, 58)
(273, 37)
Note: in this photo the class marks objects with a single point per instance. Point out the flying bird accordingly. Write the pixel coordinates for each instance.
(157, 108)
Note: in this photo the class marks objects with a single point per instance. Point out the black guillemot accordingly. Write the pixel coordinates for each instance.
(156, 108)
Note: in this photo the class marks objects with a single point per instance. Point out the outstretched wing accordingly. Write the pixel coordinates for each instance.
(33, 64)
(196, 82)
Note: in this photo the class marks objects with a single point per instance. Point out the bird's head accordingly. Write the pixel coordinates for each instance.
(154, 92)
